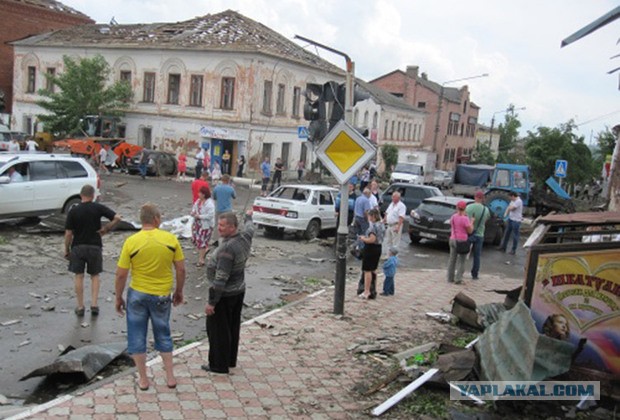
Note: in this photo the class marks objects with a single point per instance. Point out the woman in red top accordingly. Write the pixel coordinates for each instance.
(182, 168)
(461, 226)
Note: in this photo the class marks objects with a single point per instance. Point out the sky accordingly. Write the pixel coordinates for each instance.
(517, 43)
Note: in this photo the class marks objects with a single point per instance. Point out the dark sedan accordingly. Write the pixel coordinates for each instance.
(160, 164)
(431, 220)
(410, 194)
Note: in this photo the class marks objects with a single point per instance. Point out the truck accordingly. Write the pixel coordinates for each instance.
(415, 167)
(500, 180)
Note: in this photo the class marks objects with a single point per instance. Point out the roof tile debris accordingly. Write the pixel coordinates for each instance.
(52, 5)
(227, 30)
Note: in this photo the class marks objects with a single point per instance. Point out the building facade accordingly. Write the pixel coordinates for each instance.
(483, 136)
(22, 18)
(452, 118)
(222, 82)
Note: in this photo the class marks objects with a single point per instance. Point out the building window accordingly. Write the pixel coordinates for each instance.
(366, 119)
(446, 155)
(465, 107)
(125, 76)
(28, 125)
(49, 84)
(356, 117)
(280, 100)
(471, 127)
(452, 154)
(296, 101)
(385, 129)
(392, 131)
(410, 136)
(227, 97)
(422, 105)
(267, 88)
(195, 90)
(398, 131)
(174, 87)
(32, 71)
(453, 123)
(375, 120)
(149, 88)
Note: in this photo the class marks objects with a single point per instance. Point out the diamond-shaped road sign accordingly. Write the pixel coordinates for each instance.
(344, 151)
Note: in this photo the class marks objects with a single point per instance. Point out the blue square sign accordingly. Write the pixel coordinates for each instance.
(560, 168)
(302, 132)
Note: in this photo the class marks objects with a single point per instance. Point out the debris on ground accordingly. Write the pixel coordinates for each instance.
(87, 360)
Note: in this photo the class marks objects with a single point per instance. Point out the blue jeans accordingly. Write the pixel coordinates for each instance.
(512, 230)
(140, 308)
(142, 168)
(388, 285)
(477, 242)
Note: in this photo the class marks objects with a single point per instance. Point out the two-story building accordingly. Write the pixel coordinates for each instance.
(221, 81)
(452, 117)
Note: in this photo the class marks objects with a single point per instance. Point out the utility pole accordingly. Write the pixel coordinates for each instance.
(341, 237)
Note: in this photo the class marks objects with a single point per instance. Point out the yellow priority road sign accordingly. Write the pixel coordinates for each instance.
(344, 151)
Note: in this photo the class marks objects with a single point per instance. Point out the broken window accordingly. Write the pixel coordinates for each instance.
(174, 86)
(227, 99)
(195, 90)
(149, 88)
(267, 88)
(32, 71)
(280, 108)
(296, 101)
(126, 76)
(49, 84)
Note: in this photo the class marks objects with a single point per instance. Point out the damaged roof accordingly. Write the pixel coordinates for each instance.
(225, 31)
(385, 98)
(52, 5)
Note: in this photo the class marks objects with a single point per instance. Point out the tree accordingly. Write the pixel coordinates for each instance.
(508, 136)
(483, 154)
(389, 153)
(79, 91)
(547, 145)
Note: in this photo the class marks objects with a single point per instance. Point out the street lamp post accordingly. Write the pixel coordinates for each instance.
(510, 109)
(440, 105)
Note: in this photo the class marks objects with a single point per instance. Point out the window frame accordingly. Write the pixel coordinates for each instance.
(281, 99)
(174, 89)
(31, 83)
(148, 91)
(296, 101)
(267, 94)
(227, 93)
(196, 87)
(49, 84)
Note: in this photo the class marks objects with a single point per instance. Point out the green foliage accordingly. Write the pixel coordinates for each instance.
(547, 145)
(3, 240)
(426, 403)
(79, 91)
(389, 153)
(483, 154)
(462, 341)
(606, 142)
(423, 359)
(508, 137)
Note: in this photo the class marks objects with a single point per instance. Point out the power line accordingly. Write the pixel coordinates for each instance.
(598, 118)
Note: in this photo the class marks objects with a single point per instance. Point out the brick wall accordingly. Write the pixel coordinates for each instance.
(18, 21)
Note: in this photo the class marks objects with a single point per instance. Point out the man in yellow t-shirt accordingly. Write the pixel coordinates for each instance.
(150, 255)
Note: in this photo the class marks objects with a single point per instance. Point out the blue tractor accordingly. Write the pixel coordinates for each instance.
(508, 177)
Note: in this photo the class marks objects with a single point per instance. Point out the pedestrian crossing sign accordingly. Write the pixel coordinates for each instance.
(302, 132)
(560, 168)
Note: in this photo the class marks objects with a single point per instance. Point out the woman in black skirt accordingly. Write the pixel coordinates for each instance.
(372, 249)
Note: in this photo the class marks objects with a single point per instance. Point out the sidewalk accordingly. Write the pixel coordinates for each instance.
(293, 362)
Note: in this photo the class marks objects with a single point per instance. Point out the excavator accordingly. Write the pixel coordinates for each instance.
(96, 132)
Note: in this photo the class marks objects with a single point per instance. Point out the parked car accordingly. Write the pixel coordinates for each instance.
(160, 163)
(306, 209)
(431, 220)
(50, 183)
(410, 194)
(442, 179)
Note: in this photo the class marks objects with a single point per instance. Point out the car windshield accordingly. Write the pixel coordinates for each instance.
(409, 168)
(437, 209)
(291, 193)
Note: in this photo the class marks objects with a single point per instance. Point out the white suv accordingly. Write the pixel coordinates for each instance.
(42, 183)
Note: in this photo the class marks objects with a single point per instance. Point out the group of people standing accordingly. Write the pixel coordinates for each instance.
(151, 268)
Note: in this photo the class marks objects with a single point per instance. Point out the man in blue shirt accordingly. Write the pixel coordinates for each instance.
(265, 168)
(362, 205)
(223, 195)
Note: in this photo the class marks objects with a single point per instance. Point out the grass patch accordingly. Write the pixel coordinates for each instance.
(423, 359)
(3, 240)
(311, 281)
(464, 340)
(426, 403)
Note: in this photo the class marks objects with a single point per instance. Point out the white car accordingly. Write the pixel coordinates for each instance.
(48, 183)
(307, 209)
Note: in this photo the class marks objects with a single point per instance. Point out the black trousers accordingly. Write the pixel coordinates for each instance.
(223, 329)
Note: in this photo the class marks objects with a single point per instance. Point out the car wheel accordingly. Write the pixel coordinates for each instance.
(414, 238)
(313, 230)
(70, 204)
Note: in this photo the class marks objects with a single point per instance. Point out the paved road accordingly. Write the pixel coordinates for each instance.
(36, 277)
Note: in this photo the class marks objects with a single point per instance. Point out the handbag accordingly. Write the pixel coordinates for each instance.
(462, 247)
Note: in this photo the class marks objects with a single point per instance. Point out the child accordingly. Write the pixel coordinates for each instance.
(389, 269)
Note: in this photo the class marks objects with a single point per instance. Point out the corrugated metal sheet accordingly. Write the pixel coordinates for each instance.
(511, 349)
